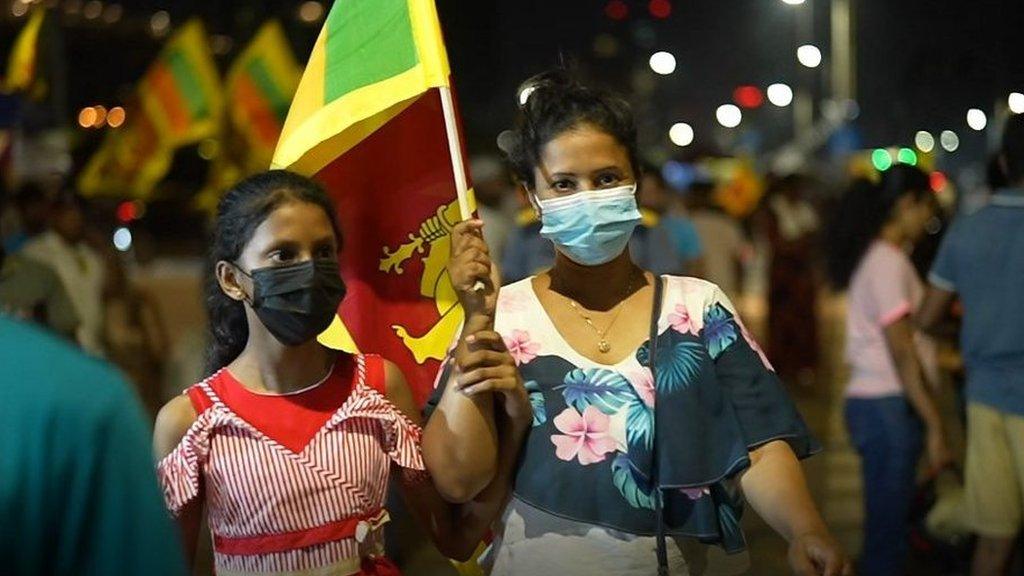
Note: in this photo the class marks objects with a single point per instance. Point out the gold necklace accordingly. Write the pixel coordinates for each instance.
(602, 343)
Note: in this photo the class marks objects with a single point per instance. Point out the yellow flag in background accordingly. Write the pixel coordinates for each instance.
(178, 102)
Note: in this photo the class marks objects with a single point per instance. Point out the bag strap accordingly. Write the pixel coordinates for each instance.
(662, 547)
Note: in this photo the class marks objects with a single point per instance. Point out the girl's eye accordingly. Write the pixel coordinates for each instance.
(607, 180)
(282, 256)
(564, 186)
(326, 253)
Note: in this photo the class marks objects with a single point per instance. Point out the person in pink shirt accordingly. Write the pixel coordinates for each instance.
(889, 409)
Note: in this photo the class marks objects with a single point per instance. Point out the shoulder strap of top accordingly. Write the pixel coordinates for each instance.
(374, 377)
(201, 401)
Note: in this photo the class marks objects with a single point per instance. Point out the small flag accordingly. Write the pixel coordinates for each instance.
(181, 91)
(369, 121)
(131, 161)
(260, 87)
(23, 62)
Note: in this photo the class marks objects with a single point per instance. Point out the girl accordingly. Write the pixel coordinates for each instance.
(887, 400)
(288, 445)
(633, 438)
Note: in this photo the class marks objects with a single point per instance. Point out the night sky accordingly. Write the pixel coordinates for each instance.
(921, 63)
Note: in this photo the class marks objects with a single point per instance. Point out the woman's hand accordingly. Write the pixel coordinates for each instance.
(470, 265)
(483, 364)
(818, 554)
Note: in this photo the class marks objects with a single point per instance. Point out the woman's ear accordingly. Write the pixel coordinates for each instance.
(231, 282)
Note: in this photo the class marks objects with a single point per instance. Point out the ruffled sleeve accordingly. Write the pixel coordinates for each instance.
(402, 437)
(762, 406)
(180, 472)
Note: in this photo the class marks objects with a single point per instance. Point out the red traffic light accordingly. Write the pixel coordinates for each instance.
(660, 8)
(748, 96)
(616, 10)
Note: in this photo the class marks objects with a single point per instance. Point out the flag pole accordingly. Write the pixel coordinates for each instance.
(458, 168)
(455, 149)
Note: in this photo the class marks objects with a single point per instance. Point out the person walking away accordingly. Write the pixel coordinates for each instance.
(981, 262)
(792, 226)
(890, 408)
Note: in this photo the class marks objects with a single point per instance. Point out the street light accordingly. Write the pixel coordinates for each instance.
(924, 141)
(681, 134)
(663, 63)
(793, 2)
(780, 94)
(1016, 103)
(976, 119)
(729, 115)
(809, 55)
(949, 140)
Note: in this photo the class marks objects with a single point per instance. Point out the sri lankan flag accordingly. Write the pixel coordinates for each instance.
(181, 91)
(23, 62)
(367, 121)
(260, 86)
(131, 161)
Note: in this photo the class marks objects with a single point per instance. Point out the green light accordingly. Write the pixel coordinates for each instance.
(907, 156)
(881, 159)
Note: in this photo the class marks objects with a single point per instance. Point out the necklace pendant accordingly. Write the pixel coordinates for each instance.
(604, 346)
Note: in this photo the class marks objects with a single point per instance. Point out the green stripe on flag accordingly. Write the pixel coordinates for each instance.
(187, 81)
(262, 78)
(367, 41)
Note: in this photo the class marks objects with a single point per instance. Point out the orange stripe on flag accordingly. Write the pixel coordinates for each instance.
(262, 120)
(166, 91)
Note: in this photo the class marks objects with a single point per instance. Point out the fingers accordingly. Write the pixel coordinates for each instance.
(496, 374)
(491, 385)
(484, 358)
(801, 563)
(466, 234)
(487, 338)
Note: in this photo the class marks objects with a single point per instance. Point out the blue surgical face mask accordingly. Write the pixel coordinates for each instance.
(592, 227)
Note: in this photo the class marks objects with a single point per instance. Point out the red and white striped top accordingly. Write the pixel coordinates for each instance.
(312, 509)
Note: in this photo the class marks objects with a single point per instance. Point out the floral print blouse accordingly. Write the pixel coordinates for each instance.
(601, 431)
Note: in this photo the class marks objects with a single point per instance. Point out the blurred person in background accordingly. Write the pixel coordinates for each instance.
(77, 489)
(495, 201)
(31, 211)
(890, 408)
(63, 248)
(655, 196)
(725, 245)
(134, 332)
(981, 261)
(791, 224)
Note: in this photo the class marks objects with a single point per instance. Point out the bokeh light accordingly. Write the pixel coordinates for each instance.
(924, 141)
(729, 115)
(780, 94)
(681, 134)
(663, 63)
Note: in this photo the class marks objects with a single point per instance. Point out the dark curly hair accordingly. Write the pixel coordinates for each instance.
(242, 209)
(558, 102)
(862, 212)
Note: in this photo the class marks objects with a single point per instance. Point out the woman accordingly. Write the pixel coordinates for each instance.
(792, 230)
(887, 399)
(612, 446)
(288, 445)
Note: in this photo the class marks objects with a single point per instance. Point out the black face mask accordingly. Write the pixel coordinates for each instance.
(298, 301)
